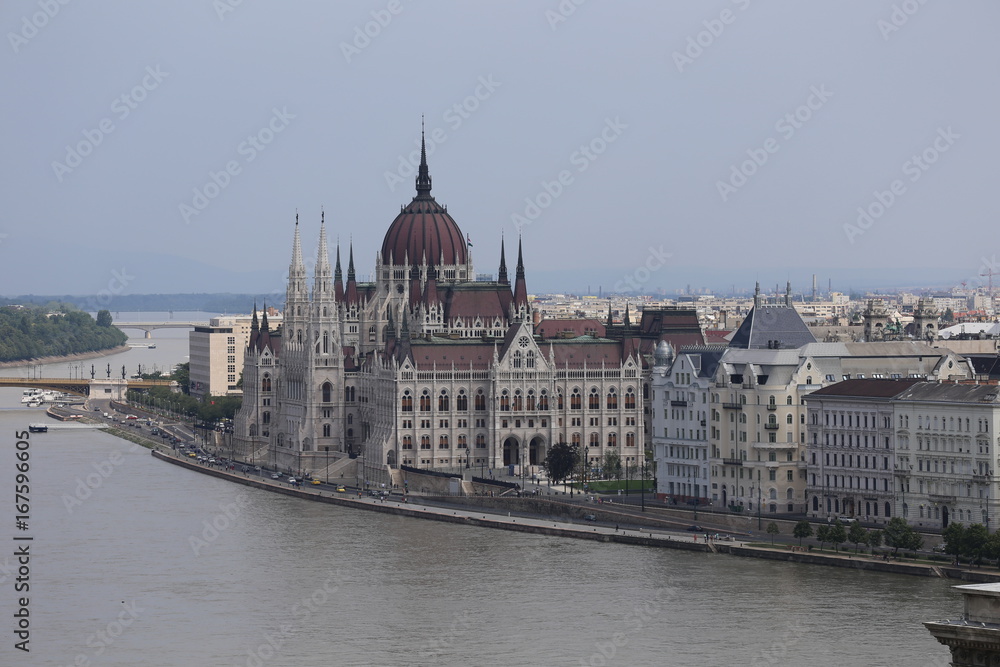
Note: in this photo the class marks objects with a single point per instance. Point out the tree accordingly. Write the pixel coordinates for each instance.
(802, 529)
(975, 542)
(954, 539)
(561, 459)
(874, 540)
(612, 464)
(103, 318)
(899, 535)
(856, 535)
(823, 535)
(182, 375)
(837, 534)
(772, 530)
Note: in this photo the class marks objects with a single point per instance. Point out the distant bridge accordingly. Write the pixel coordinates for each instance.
(103, 388)
(148, 327)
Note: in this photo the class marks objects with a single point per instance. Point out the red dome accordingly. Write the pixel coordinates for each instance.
(424, 230)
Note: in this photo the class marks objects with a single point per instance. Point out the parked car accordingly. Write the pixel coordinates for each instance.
(695, 528)
(589, 517)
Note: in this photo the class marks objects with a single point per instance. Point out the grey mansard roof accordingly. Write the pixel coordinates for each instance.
(767, 327)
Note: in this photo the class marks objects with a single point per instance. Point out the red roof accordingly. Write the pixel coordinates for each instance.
(552, 328)
(424, 230)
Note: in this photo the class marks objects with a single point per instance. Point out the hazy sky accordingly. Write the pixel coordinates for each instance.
(711, 142)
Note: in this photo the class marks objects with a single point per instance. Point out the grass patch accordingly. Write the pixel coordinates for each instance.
(612, 486)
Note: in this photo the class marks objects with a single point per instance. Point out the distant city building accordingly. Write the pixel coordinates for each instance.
(216, 355)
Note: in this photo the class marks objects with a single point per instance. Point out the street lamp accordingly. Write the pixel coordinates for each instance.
(327, 449)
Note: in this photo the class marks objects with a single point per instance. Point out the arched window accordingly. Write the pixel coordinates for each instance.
(462, 442)
(443, 401)
(462, 402)
(630, 439)
(443, 442)
(575, 439)
(371, 334)
(265, 384)
(425, 401)
(298, 335)
(326, 430)
(517, 359)
(504, 401)
(326, 341)
(407, 402)
(630, 399)
(425, 442)
(531, 400)
(789, 419)
(349, 396)
(327, 392)
(594, 400)
(480, 441)
(575, 400)
(543, 401)
(612, 439)
(612, 399)
(559, 399)
(595, 440)
(480, 401)
(407, 442)
(529, 360)
(350, 419)
(518, 401)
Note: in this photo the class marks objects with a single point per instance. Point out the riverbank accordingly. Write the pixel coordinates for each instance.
(65, 359)
(566, 527)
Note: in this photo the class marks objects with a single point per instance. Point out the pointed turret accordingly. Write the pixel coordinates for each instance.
(254, 329)
(610, 320)
(756, 295)
(502, 276)
(414, 286)
(520, 288)
(322, 285)
(788, 294)
(264, 340)
(430, 289)
(423, 176)
(351, 292)
(628, 320)
(338, 278)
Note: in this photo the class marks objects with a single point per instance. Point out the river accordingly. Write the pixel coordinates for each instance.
(139, 562)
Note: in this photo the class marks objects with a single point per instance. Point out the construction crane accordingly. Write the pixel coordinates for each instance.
(989, 272)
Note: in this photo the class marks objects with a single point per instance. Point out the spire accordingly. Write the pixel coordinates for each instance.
(254, 328)
(297, 265)
(264, 340)
(610, 320)
(351, 292)
(520, 289)
(788, 293)
(756, 295)
(321, 277)
(502, 277)
(628, 321)
(423, 177)
(338, 278)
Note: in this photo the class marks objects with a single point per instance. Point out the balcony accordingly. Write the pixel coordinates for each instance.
(678, 404)
(732, 406)
(771, 407)
(732, 462)
(771, 427)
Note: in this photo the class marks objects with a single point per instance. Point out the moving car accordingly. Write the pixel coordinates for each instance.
(316, 482)
(275, 476)
(341, 489)
(695, 528)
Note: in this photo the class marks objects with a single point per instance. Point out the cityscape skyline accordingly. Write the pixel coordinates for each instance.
(184, 148)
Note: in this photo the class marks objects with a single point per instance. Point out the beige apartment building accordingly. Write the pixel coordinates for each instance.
(216, 354)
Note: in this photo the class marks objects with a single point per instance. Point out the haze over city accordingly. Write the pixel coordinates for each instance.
(169, 147)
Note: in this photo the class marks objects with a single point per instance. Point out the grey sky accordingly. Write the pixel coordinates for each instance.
(339, 119)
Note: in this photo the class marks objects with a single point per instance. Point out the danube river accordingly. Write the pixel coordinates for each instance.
(139, 562)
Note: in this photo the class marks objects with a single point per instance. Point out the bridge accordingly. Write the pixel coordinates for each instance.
(148, 327)
(111, 388)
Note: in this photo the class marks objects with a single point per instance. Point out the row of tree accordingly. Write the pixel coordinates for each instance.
(897, 535)
(30, 332)
(973, 542)
(207, 410)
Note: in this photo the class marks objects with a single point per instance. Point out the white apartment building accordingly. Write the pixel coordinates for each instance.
(216, 354)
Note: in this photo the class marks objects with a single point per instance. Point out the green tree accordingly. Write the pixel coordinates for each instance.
(954, 539)
(772, 530)
(993, 546)
(975, 542)
(823, 535)
(561, 460)
(837, 535)
(874, 540)
(103, 318)
(612, 464)
(856, 535)
(899, 535)
(802, 529)
(182, 375)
